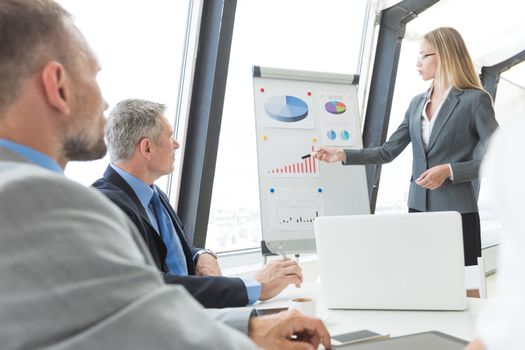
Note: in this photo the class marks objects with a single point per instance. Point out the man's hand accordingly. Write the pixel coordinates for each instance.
(207, 265)
(277, 275)
(330, 154)
(288, 330)
(434, 177)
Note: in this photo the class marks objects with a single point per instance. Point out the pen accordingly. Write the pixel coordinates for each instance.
(306, 156)
(283, 253)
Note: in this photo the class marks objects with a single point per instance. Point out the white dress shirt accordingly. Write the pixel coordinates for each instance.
(427, 125)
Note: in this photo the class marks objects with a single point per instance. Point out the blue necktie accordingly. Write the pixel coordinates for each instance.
(175, 258)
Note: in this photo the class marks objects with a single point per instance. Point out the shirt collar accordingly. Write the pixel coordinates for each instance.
(429, 93)
(32, 155)
(141, 189)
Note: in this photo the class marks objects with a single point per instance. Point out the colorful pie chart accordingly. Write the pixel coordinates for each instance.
(345, 135)
(335, 107)
(288, 109)
(331, 135)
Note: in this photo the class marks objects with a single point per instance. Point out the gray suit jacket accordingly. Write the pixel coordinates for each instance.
(465, 120)
(75, 274)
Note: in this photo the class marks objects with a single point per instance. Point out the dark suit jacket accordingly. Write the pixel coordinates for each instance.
(213, 292)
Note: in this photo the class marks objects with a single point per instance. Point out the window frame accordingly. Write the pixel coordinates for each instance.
(203, 127)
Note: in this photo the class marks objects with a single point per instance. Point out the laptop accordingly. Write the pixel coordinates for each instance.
(392, 262)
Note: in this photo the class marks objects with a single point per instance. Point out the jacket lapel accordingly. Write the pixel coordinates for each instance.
(416, 121)
(113, 177)
(444, 115)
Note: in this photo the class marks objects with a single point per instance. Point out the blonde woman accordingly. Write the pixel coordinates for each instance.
(444, 124)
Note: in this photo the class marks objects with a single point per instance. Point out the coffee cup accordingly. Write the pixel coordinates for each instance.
(305, 305)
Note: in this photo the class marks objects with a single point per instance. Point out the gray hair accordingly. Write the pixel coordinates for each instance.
(130, 121)
(32, 32)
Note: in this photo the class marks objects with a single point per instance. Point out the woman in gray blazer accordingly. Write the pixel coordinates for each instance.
(444, 124)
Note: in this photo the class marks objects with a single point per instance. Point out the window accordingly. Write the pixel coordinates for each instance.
(509, 104)
(392, 196)
(140, 46)
(393, 188)
(504, 43)
(305, 35)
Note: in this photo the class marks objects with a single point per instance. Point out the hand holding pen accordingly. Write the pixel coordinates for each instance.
(328, 154)
(285, 257)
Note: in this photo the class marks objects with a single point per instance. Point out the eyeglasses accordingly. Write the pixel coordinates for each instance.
(421, 58)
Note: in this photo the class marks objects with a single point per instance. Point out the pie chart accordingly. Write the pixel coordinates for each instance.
(335, 107)
(288, 109)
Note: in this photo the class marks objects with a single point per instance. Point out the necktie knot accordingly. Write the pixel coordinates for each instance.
(155, 200)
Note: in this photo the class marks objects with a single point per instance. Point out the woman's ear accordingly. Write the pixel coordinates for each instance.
(56, 86)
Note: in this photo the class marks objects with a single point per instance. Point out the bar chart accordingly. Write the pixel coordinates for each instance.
(305, 166)
(300, 219)
(295, 208)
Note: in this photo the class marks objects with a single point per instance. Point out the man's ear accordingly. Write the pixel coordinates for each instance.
(56, 86)
(145, 147)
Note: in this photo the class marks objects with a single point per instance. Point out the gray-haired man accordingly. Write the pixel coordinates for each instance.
(142, 149)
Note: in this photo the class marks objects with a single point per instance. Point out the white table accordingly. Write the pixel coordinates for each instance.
(460, 324)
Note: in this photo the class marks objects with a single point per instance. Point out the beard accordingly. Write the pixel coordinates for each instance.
(80, 148)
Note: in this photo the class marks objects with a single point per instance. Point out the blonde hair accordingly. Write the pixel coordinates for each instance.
(454, 64)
